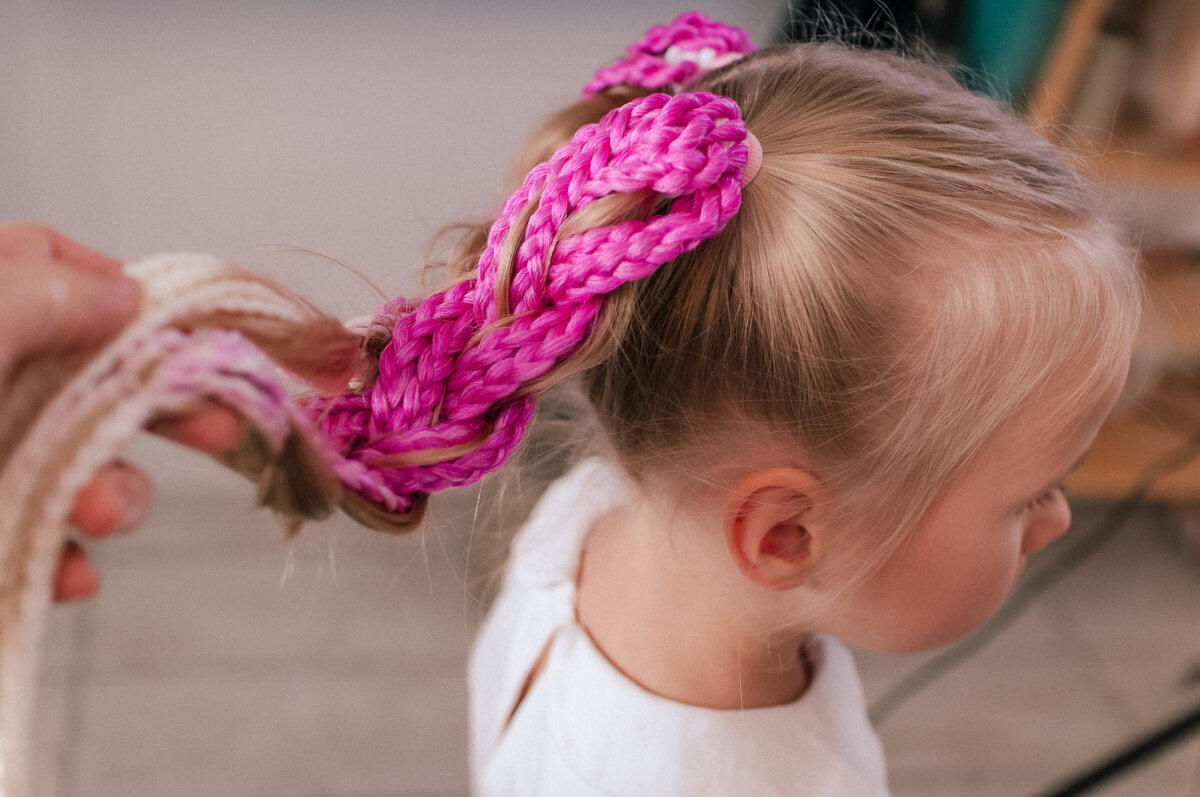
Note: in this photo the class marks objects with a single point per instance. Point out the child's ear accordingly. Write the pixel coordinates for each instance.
(769, 526)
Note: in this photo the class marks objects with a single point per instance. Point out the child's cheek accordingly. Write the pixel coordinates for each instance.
(1046, 524)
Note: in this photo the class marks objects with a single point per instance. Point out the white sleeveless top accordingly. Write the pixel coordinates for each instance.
(584, 728)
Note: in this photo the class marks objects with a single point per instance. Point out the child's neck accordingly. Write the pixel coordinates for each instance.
(663, 614)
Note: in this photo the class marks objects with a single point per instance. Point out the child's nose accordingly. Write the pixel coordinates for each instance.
(1047, 525)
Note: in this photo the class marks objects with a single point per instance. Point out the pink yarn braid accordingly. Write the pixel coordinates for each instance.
(700, 45)
(455, 374)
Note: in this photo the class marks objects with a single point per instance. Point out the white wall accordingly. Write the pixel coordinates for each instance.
(355, 128)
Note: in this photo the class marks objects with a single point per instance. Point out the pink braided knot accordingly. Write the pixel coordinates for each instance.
(674, 53)
(451, 401)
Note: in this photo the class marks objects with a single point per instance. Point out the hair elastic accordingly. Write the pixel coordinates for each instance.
(754, 158)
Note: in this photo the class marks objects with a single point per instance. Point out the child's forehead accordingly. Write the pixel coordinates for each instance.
(1054, 429)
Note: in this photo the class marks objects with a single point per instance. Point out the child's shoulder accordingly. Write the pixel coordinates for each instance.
(583, 713)
(550, 543)
(588, 715)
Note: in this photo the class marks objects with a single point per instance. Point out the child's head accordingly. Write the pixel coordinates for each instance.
(910, 268)
(913, 281)
(960, 559)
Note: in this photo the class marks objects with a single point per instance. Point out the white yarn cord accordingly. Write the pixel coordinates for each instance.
(150, 369)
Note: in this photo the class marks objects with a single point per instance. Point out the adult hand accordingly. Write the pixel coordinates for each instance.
(56, 295)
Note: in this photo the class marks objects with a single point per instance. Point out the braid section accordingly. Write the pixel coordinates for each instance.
(673, 54)
(453, 395)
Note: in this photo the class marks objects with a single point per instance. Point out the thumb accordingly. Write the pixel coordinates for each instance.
(54, 307)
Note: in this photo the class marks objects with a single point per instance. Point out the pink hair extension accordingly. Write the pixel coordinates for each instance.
(451, 402)
(674, 54)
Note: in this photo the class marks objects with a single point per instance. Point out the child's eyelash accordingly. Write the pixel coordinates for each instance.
(1047, 496)
(1060, 487)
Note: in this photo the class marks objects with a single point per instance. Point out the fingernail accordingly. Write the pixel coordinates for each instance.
(132, 492)
(124, 297)
(76, 578)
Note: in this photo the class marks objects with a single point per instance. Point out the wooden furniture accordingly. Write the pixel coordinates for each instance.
(1132, 154)
(1147, 427)
(1160, 420)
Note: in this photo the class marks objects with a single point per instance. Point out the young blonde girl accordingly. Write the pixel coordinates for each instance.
(846, 415)
(845, 328)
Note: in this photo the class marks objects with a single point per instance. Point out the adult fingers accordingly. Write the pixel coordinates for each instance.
(118, 497)
(75, 578)
(24, 242)
(51, 306)
(212, 428)
(116, 500)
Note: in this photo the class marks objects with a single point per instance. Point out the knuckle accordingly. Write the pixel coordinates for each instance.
(26, 239)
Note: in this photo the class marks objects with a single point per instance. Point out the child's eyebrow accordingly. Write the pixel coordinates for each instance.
(1058, 482)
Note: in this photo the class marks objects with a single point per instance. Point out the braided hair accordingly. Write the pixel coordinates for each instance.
(457, 374)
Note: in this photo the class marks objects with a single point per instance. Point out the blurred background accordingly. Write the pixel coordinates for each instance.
(222, 659)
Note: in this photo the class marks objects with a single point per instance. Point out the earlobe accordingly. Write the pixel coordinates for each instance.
(769, 526)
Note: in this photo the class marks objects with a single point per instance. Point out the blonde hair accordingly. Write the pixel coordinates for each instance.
(910, 266)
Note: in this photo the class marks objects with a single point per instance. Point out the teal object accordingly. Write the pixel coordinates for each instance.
(1005, 41)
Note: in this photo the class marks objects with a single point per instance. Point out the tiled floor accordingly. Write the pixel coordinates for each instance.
(221, 660)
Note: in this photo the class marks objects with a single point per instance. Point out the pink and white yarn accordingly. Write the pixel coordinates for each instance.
(157, 365)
